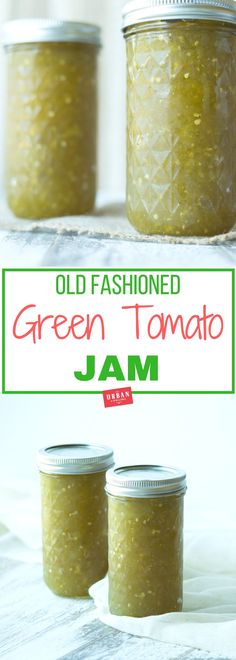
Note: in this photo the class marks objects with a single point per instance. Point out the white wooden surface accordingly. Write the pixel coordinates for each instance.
(35, 624)
(56, 249)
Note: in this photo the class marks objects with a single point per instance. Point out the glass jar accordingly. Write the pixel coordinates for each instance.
(51, 117)
(181, 139)
(74, 516)
(145, 540)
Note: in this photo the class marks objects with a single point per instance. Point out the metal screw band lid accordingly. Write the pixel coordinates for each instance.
(145, 481)
(42, 30)
(75, 459)
(141, 11)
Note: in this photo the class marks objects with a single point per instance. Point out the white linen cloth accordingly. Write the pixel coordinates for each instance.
(20, 528)
(208, 621)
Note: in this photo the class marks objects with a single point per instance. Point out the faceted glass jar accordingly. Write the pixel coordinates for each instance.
(74, 526)
(145, 539)
(74, 516)
(181, 176)
(145, 555)
(51, 129)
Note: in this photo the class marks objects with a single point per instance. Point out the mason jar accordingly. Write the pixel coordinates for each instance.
(51, 117)
(181, 135)
(145, 540)
(74, 516)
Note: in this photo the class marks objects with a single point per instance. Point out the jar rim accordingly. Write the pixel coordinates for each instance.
(22, 31)
(74, 458)
(141, 11)
(145, 481)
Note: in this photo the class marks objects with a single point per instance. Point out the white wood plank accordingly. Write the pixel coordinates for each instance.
(112, 644)
(23, 250)
(38, 249)
(34, 623)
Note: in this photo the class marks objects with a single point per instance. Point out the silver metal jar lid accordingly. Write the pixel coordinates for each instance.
(75, 459)
(141, 11)
(24, 31)
(145, 481)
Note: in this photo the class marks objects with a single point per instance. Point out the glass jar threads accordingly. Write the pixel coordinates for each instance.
(181, 138)
(145, 544)
(51, 117)
(74, 516)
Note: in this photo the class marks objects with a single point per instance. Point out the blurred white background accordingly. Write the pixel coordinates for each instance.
(107, 14)
(193, 432)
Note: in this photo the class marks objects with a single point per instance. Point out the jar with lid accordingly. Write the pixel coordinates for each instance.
(51, 117)
(145, 540)
(181, 136)
(74, 516)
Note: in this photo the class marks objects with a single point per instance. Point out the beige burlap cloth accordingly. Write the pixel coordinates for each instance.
(107, 221)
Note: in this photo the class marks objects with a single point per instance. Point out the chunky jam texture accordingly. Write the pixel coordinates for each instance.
(182, 128)
(51, 129)
(145, 555)
(74, 524)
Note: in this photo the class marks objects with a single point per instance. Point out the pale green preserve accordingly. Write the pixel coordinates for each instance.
(181, 135)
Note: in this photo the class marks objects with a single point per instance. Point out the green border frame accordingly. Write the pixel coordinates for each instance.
(111, 270)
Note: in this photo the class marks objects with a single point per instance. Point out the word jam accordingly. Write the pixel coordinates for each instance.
(112, 369)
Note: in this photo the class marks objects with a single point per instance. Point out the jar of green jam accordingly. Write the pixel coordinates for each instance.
(51, 117)
(181, 137)
(145, 540)
(74, 516)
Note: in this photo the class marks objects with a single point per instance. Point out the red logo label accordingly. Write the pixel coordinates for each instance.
(120, 397)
